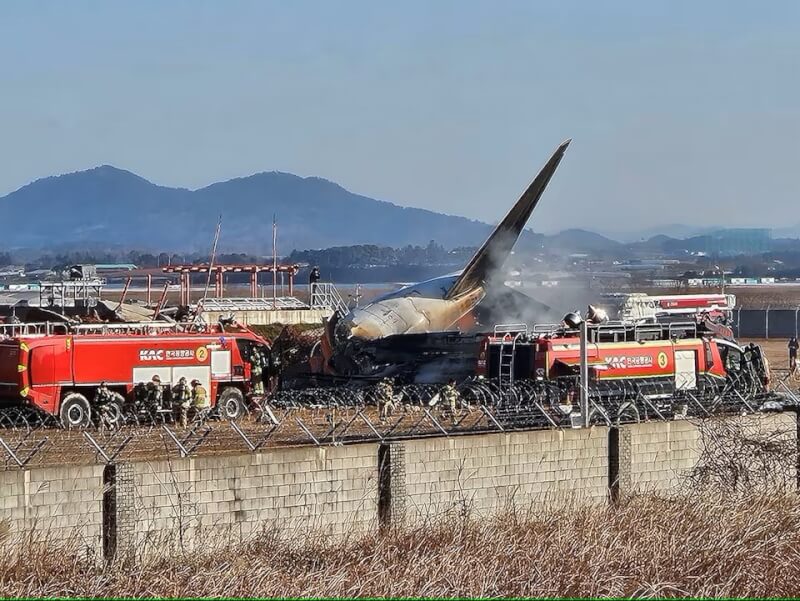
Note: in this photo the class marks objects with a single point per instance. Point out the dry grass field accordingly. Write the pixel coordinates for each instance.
(717, 546)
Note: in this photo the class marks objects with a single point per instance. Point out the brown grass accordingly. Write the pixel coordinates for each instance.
(647, 546)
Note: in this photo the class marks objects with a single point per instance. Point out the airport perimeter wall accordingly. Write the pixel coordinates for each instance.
(766, 323)
(205, 502)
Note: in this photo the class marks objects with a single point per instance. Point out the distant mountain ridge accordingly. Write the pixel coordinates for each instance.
(116, 207)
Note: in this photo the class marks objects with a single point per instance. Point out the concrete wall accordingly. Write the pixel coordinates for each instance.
(55, 504)
(198, 502)
(482, 474)
(658, 456)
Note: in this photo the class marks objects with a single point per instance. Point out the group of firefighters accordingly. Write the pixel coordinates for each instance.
(184, 397)
(384, 394)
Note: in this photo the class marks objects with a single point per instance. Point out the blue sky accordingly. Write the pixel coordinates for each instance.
(679, 111)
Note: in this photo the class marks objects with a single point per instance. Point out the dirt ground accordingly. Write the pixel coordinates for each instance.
(47, 446)
(761, 297)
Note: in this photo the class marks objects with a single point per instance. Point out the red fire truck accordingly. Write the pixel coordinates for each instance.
(658, 358)
(58, 368)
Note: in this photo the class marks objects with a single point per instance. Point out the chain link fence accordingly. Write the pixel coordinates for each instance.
(766, 323)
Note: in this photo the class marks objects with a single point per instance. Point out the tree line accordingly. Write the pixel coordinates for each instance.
(356, 256)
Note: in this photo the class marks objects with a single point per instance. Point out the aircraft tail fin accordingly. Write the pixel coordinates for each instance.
(497, 247)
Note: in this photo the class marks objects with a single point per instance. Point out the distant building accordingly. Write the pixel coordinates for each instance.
(666, 283)
(115, 267)
(12, 271)
(704, 282)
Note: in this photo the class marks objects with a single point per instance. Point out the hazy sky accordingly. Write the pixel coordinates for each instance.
(679, 111)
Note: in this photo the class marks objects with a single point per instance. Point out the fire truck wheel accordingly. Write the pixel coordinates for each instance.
(231, 403)
(75, 411)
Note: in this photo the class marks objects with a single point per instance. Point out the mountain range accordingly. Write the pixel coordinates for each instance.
(111, 206)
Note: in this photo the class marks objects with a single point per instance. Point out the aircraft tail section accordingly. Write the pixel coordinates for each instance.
(497, 247)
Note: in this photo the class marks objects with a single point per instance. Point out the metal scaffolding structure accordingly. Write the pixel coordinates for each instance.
(186, 271)
(62, 293)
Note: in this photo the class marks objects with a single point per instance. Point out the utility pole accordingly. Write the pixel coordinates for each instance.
(274, 262)
(584, 375)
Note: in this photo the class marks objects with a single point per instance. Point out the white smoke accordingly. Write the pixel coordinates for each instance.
(543, 304)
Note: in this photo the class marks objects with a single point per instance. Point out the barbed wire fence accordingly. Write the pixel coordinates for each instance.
(343, 415)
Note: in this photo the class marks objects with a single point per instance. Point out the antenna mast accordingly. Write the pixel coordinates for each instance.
(213, 256)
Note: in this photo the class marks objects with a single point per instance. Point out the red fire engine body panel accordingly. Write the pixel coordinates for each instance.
(618, 360)
(694, 302)
(41, 367)
(557, 356)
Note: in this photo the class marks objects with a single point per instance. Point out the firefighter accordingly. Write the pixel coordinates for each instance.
(450, 396)
(385, 395)
(102, 400)
(140, 395)
(103, 394)
(792, 347)
(256, 372)
(183, 398)
(200, 398)
(155, 394)
(313, 278)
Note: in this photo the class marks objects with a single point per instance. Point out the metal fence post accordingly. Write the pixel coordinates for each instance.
(584, 376)
(766, 323)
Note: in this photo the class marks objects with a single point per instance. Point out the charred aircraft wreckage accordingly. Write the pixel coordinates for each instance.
(429, 333)
(414, 332)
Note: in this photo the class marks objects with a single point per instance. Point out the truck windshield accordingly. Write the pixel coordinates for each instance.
(246, 348)
(731, 357)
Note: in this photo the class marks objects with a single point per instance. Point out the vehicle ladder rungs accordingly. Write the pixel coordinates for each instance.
(507, 362)
(509, 335)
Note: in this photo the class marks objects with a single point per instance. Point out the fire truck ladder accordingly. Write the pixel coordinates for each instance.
(51, 328)
(508, 334)
(140, 327)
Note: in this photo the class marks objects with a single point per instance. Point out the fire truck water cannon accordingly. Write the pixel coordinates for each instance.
(639, 307)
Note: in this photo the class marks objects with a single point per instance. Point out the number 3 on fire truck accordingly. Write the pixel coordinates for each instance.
(662, 360)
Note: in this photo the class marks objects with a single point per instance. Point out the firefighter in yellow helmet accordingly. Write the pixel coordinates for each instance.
(200, 399)
(182, 397)
(384, 393)
(451, 397)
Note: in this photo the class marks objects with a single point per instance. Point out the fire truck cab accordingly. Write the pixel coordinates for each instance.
(58, 368)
